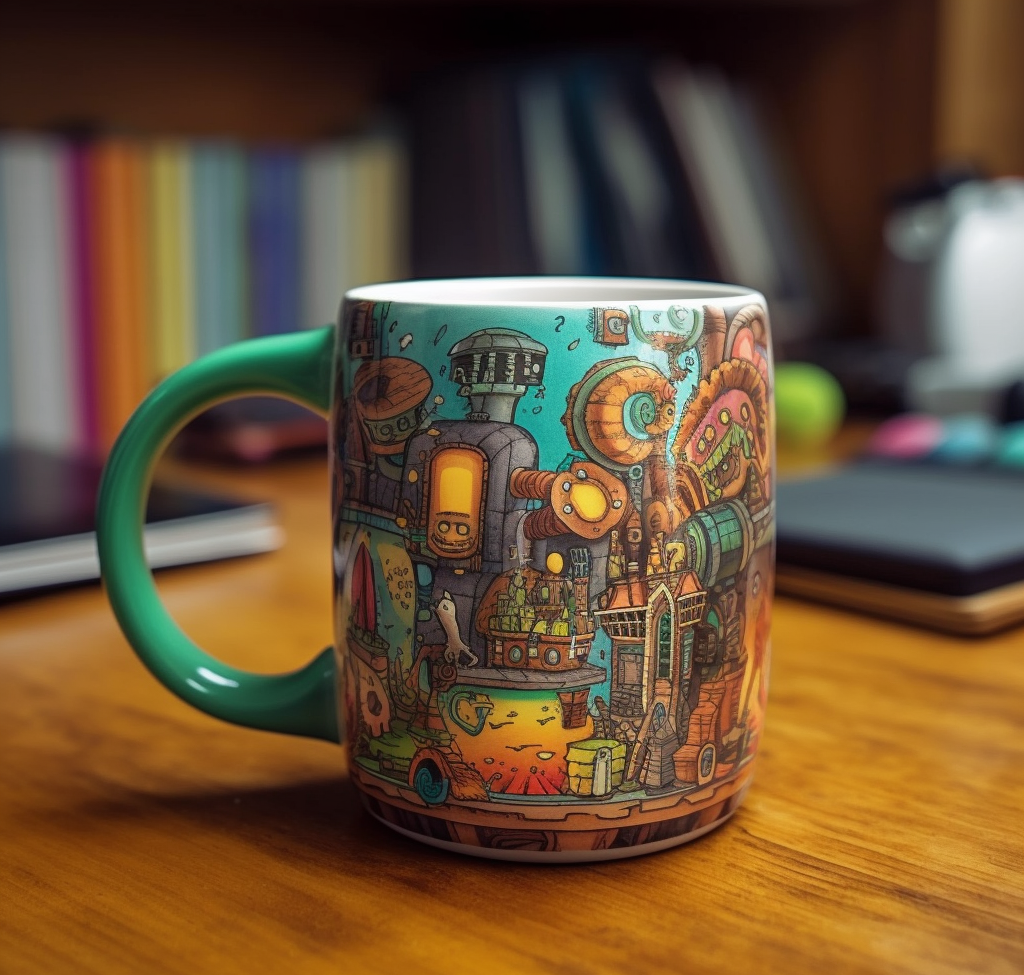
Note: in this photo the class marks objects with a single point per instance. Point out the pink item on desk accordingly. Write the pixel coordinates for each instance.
(907, 437)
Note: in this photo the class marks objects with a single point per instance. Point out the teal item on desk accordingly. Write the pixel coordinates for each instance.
(966, 439)
(1010, 451)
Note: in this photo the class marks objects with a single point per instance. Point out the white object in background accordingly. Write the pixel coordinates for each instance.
(43, 381)
(976, 306)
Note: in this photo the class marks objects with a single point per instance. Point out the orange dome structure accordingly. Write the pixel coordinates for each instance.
(388, 394)
(619, 411)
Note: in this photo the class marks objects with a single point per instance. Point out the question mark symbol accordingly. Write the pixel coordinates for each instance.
(561, 321)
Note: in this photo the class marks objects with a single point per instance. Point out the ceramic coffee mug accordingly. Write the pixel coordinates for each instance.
(553, 547)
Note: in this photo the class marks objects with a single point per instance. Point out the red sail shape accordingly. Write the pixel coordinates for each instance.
(364, 602)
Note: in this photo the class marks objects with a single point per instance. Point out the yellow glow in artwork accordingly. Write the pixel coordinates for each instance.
(588, 500)
(456, 491)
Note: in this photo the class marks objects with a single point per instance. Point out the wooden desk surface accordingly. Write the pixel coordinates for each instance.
(883, 832)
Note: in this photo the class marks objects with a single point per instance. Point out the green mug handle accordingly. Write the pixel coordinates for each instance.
(297, 366)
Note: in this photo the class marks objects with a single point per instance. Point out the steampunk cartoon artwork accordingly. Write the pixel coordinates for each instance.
(553, 546)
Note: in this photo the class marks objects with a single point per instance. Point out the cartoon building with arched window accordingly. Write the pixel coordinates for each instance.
(650, 619)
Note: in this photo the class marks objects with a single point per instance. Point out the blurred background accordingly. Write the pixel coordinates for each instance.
(176, 176)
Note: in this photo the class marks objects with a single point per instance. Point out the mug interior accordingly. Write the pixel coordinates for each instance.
(544, 291)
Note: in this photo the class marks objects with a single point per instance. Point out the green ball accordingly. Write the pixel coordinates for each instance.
(809, 404)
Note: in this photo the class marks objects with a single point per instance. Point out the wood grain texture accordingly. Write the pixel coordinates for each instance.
(882, 832)
(981, 84)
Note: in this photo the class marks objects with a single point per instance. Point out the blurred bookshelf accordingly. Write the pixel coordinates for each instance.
(838, 101)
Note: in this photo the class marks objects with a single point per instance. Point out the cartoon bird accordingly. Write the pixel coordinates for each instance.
(457, 648)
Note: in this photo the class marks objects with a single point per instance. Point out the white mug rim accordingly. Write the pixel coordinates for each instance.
(550, 291)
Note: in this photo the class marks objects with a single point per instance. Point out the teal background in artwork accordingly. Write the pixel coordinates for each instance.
(567, 334)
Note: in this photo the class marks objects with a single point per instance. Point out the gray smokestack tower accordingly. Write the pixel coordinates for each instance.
(494, 368)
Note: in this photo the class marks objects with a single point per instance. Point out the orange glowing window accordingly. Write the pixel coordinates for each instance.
(455, 497)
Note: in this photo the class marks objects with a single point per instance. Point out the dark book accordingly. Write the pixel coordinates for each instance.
(641, 216)
(468, 194)
(745, 201)
(48, 527)
(941, 546)
(554, 192)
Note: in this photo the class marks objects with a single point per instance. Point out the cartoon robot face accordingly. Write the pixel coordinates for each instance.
(451, 534)
(455, 502)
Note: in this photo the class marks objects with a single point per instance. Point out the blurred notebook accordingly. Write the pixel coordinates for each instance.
(938, 546)
(47, 522)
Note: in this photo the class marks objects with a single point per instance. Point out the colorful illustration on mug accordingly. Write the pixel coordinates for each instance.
(574, 617)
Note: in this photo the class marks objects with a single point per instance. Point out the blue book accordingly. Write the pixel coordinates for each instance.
(219, 246)
(274, 241)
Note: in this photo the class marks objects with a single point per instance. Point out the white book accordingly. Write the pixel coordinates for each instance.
(327, 232)
(43, 381)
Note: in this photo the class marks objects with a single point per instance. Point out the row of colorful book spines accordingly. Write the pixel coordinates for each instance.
(228, 237)
(178, 251)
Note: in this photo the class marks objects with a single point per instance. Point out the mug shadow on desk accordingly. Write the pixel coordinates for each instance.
(319, 821)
